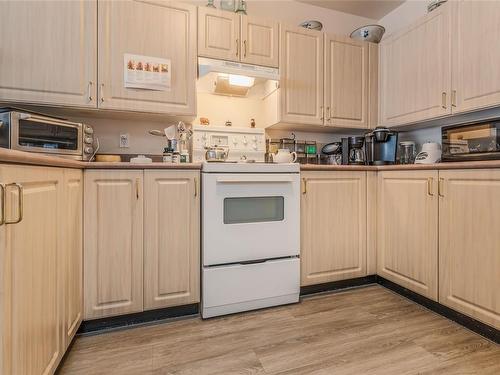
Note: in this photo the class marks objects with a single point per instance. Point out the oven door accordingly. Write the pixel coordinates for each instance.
(248, 217)
(35, 133)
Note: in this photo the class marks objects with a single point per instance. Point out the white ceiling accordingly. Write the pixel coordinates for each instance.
(374, 9)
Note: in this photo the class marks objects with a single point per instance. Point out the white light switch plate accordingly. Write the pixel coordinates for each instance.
(124, 140)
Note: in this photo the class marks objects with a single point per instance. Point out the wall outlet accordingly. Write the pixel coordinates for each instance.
(124, 140)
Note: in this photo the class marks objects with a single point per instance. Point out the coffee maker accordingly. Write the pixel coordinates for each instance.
(352, 151)
(381, 146)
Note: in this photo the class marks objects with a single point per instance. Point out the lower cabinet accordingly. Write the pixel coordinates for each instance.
(333, 226)
(141, 240)
(407, 235)
(171, 238)
(36, 305)
(469, 246)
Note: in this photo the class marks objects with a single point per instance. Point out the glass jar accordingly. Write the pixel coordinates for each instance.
(407, 152)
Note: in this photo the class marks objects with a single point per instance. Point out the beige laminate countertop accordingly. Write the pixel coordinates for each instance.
(22, 157)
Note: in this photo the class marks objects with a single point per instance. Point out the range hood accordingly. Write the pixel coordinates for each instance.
(206, 66)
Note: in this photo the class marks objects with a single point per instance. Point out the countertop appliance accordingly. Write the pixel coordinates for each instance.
(250, 236)
(352, 150)
(29, 131)
(241, 143)
(474, 141)
(381, 146)
(430, 154)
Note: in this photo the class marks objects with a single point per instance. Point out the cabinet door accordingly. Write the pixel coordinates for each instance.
(346, 82)
(407, 244)
(155, 29)
(31, 298)
(260, 40)
(301, 71)
(72, 253)
(333, 226)
(113, 213)
(49, 52)
(476, 77)
(171, 238)
(469, 251)
(218, 34)
(415, 71)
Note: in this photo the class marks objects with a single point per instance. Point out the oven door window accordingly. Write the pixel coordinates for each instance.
(243, 210)
(47, 136)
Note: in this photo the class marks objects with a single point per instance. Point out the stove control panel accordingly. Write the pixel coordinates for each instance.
(243, 143)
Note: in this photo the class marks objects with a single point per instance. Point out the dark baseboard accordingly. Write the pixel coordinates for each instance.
(130, 320)
(336, 285)
(474, 325)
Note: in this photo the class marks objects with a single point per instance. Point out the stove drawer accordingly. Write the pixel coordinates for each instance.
(241, 287)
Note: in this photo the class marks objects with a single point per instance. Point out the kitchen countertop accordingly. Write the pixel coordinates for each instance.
(22, 157)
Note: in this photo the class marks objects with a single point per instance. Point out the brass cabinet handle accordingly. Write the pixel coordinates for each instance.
(137, 188)
(237, 46)
(245, 48)
(2, 199)
(322, 109)
(441, 187)
(195, 180)
(89, 88)
(443, 99)
(101, 92)
(328, 115)
(454, 98)
(304, 186)
(20, 203)
(430, 182)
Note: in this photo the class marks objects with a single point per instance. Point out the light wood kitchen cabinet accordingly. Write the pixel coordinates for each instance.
(30, 298)
(72, 253)
(230, 36)
(301, 72)
(476, 77)
(346, 82)
(407, 236)
(158, 29)
(113, 227)
(49, 52)
(469, 252)
(171, 240)
(333, 226)
(415, 70)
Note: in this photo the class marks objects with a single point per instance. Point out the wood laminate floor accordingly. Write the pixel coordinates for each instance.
(361, 331)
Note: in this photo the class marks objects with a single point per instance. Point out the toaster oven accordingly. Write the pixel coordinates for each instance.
(27, 131)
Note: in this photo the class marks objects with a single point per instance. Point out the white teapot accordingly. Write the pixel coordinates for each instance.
(284, 156)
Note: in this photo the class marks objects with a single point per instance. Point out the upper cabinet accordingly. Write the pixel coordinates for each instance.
(155, 29)
(346, 82)
(229, 36)
(415, 70)
(476, 77)
(48, 52)
(301, 72)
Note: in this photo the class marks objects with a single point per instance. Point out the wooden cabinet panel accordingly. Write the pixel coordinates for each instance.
(407, 238)
(346, 82)
(161, 29)
(415, 71)
(260, 40)
(218, 34)
(469, 252)
(72, 253)
(301, 71)
(333, 226)
(30, 300)
(113, 226)
(476, 77)
(49, 52)
(171, 238)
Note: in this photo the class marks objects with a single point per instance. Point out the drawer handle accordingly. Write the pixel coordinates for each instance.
(2, 200)
(441, 187)
(101, 92)
(20, 203)
(304, 186)
(245, 48)
(195, 187)
(454, 98)
(137, 188)
(443, 100)
(430, 182)
(237, 46)
(89, 88)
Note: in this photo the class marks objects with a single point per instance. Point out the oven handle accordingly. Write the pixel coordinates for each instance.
(51, 121)
(255, 179)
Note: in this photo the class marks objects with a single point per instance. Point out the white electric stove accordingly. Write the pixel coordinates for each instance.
(250, 236)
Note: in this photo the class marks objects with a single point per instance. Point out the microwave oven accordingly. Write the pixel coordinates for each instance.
(475, 141)
(28, 131)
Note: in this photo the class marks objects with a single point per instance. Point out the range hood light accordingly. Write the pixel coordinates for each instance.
(241, 81)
